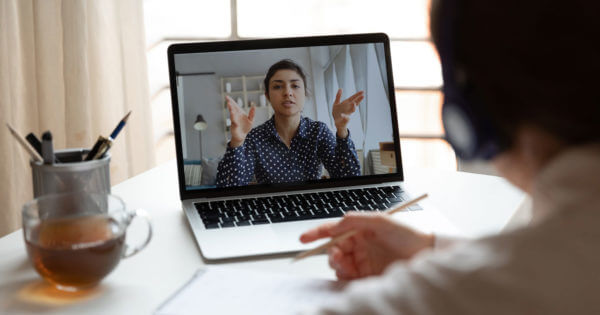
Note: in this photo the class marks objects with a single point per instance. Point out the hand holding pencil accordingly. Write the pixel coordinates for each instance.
(364, 244)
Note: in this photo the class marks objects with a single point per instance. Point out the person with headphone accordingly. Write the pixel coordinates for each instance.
(519, 91)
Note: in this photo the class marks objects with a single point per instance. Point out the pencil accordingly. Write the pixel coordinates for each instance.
(34, 155)
(348, 234)
(120, 126)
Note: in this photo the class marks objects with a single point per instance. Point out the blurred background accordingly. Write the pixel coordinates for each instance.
(77, 67)
(416, 66)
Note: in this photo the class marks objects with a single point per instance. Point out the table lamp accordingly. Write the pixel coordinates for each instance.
(200, 125)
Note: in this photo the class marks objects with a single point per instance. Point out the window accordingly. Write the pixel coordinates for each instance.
(416, 66)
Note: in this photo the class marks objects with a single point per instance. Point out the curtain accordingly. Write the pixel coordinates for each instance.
(380, 51)
(75, 68)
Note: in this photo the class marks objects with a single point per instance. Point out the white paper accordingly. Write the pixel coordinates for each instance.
(218, 290)
(232, 291)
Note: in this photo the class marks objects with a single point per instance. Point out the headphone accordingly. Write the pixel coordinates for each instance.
(468, 129)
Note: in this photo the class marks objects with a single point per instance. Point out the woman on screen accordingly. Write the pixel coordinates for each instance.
(288, 147)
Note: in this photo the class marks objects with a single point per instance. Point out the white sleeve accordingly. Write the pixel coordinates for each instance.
(444, 241)
(460, 280)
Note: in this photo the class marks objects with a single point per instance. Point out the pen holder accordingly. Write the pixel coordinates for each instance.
(73, 174)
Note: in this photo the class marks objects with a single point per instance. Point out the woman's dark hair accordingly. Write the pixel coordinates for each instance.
(531, 62)
(285, 64)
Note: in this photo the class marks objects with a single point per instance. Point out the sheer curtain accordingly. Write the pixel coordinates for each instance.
(74, 68)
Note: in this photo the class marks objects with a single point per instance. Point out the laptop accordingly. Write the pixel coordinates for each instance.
(256, 197)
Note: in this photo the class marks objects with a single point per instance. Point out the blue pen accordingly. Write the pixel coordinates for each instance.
(115, 132)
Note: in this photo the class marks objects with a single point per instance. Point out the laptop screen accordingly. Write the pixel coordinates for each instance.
(269, 115)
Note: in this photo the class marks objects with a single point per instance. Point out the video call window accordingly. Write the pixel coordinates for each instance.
(229, 116)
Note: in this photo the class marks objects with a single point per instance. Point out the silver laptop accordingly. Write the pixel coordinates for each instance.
(256, 196)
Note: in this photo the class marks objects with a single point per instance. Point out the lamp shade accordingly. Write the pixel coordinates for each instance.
(200, 123)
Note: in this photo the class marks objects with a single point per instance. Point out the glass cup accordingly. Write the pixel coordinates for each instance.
(75, 239)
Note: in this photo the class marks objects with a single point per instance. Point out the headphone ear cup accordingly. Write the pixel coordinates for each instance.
(459, 129)
(470, 137)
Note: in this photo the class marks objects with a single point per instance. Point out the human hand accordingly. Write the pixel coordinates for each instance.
(342, 111)
(241, 124)
(378, 242)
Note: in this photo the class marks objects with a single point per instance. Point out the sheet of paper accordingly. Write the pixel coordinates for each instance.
(218, 290)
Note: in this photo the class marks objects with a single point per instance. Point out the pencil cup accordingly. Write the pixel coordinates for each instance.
(72, 175)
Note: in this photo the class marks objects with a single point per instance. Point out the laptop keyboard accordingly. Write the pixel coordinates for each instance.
(287, 208)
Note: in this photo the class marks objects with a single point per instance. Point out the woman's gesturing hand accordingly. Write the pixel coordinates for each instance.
(379, 242)
(241, 124)
(342, 111)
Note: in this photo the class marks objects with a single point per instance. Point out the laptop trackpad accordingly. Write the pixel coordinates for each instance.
(257, 240)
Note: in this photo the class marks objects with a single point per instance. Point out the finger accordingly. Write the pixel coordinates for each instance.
(341, 276)
(354, 97)
(334, 255)
(357, 221)
(346, 245)
(319, 232)
(230, 109)
(361, 257)
(251, 113)
(338, 96)
(359, 99)
(342, 263)
(348, 267)
(233, 109)
(233, 103)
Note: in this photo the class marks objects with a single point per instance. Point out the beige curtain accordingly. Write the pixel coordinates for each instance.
(73, 67)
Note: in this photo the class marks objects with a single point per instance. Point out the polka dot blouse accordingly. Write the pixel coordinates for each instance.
(265, 158)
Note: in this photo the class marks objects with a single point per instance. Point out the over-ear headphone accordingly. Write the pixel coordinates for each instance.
(468, 128)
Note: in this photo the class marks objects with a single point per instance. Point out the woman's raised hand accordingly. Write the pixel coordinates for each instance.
(241, 124)
(342, 111)
(379, 241)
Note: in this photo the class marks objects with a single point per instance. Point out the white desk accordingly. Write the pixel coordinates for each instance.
(477, 204)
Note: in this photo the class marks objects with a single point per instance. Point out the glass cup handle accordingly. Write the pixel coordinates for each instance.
(130, 251)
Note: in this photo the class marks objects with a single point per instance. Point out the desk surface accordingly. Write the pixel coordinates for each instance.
(476, 204)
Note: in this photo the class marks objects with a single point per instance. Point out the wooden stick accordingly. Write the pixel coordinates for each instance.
(34, 155)
(346, 235)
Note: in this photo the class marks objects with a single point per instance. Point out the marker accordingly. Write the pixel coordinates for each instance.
(35, 142)
(47, 148)
(37, 145)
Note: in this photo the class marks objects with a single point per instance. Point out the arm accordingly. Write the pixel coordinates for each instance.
(237, 166)
(496, 275)
(337, 154)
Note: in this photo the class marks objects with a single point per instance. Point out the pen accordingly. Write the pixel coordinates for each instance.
(102, 143)
(37, 145)
(115, 132)
(47, 148)
(105, 144)
(346, 235)
(35, 142)
(94, 149)
(34, 155)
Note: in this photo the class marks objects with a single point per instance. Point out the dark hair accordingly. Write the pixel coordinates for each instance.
(531, 62)
(284, 64)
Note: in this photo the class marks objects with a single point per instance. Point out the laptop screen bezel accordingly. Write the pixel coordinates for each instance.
(190, 48)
